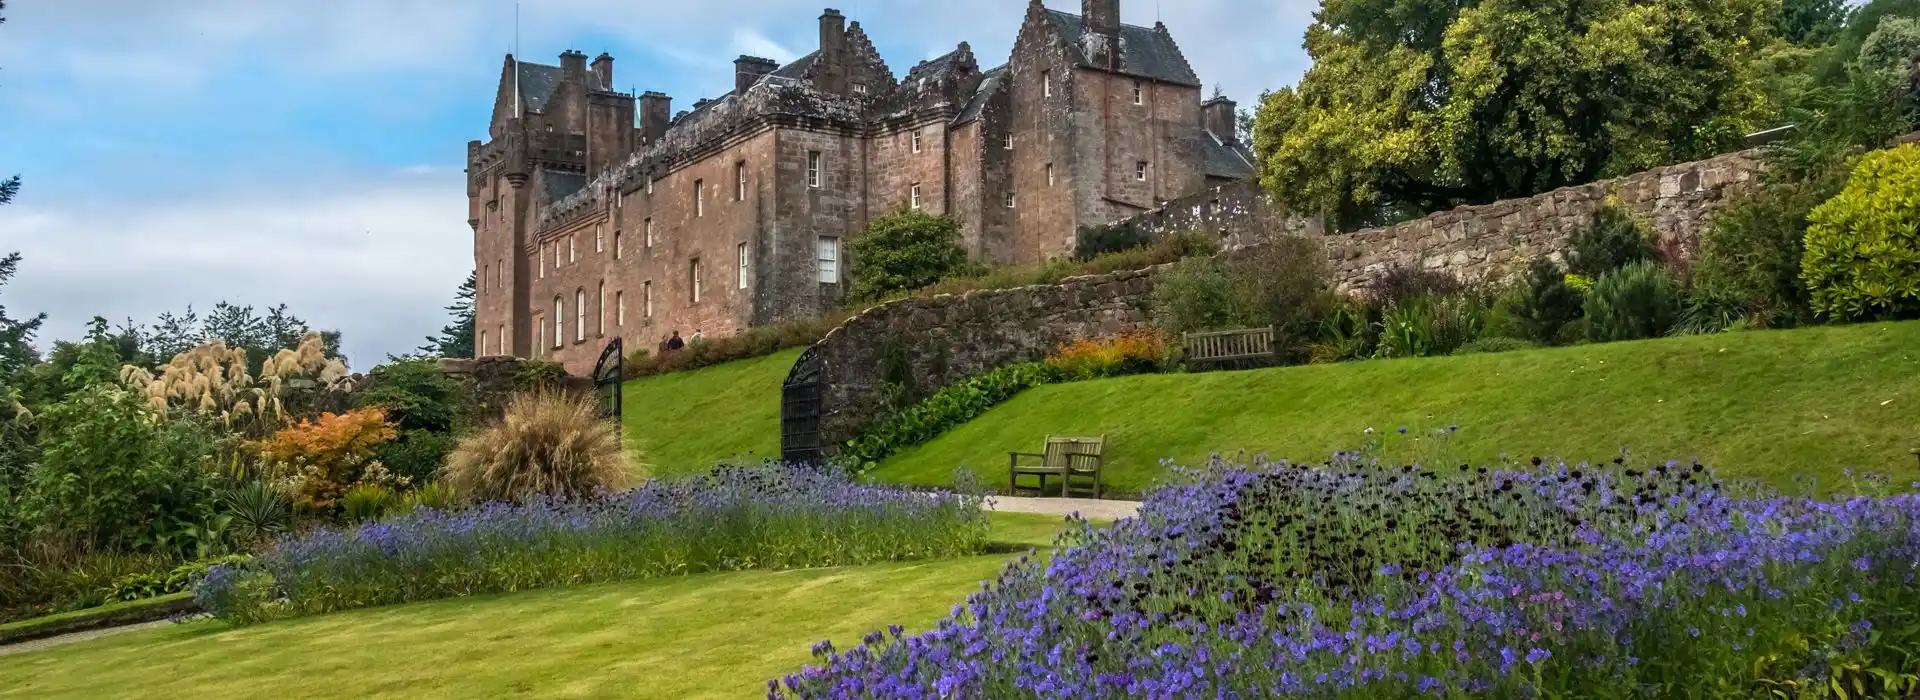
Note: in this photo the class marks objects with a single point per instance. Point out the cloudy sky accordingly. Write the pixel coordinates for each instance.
(184, 152)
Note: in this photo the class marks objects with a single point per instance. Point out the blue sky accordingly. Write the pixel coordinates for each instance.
(269, 151)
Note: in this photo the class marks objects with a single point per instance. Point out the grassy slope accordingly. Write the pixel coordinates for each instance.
(713, 635)
(686, 421)
(1766, 405)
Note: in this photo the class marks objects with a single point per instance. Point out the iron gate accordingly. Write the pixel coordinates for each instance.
(800, 441)
(607, 374)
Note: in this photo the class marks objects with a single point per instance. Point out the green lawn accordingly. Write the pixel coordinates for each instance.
(712, 635)
(1765, 404)
(684, 422)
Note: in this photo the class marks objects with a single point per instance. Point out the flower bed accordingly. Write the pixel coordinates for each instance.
(1353, 580)
(732, 519)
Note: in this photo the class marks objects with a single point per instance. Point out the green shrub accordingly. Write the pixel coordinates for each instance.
(547, 443)
(1892, 46)
(1494, 344)
(112, 476)
(1641, 300)
(1095, 241)
(417, 455)
(1346, 333)
(537, 375)
(1283, 282)
(153, 585)
(1429, 326)
(54, 575)
(1863, 247)
(1710, 310)
(961, 402)
(258, 512)
(903, 251)
(1401, 284)
(1196, 295)
(1753, 249)
(417, 396)
(1166, 250)
(1541, 304)
(368, 503)
(436, 495)
(1611, 241)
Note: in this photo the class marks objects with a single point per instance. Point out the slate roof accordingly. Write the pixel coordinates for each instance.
(537, 83)
(797, 69)
(561, 184)
(1222, 159)
(1143, 52)
(977, 103)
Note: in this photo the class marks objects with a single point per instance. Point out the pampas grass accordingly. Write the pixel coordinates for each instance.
(548, 443)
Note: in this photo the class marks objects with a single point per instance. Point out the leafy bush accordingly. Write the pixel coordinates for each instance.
(1095, 241)
(731, 519)
(1863, 247)
(1400, 284)
(548, 443)
(1347, 333)
(1282, 282)
(1613, 240)
(58, 574)
(258, 512)
(1542, 303)
(903, 251)
(1892, 46)
(536, 375)
(368, 503)
(1710, 310)
(112, 476)
(416, 456)
(1197, 295)
(415, 395)
(317, 461)
(958, 403)
(1492, 344)
(1133, 353)
(1641, 300)
(153, 585)
(436, 495)
(1430, 326)
(1753, 249)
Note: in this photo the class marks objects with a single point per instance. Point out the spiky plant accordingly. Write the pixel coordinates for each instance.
(547, 443)
(259, 512)
(368, 502)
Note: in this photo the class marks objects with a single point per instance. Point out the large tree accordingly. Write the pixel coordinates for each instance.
(456, 340)
(1414, 106)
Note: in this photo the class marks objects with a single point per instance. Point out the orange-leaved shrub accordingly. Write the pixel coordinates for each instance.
(316, 461)
(1133, 353)
(547, 443)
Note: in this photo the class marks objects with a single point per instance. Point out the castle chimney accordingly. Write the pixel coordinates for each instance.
(830, 69)
(603, 70)
(656, 112)
(1221, 116)
(833, 33)
(573, 66)
(748, 70)
(1102, 17)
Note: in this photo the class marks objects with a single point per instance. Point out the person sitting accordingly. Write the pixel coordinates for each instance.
(675, 343)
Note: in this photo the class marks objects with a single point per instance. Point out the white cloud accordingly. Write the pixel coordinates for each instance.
(377, 261)
(751, 42)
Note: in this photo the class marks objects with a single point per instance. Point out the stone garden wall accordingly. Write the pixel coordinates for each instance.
(938, 341)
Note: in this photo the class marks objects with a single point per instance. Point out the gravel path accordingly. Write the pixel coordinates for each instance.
(64, 639)
(1087, 508)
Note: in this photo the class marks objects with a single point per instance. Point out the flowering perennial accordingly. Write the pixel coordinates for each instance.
(732, 519)
(1350, 579)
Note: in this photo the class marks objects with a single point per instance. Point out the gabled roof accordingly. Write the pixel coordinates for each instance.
(537, 83)
(977, 102)
(1145, 52)
(1223, 159)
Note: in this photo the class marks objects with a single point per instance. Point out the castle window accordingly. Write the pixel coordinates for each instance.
(1010, 200)
(599, 239)
(829, 256)
(618, 246)
(649, 185)
(916, 141)
(482, 350)
(600, 312)
(913, 196)
(1049, 174)
(740, 254)
(1046, 83)
(649, 232)
(693, 275)
(486, 273)
(500, 345)
(646, 298)
(1140, 171)
(699, 197)
(579, 315)
(859, 88)
(1139, 92)
(573, 251)
(813, 168)
(499, 274)
(740, 182)
(543, 261)
(559, 321)
(620, 309)
(1009, 142)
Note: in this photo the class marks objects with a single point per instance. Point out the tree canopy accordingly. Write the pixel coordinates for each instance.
(1415, 106)
(456, 340)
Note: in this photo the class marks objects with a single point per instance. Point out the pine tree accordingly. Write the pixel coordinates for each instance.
(456, 340)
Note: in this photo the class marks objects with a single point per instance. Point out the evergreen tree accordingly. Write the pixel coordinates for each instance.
(16, 336)
(456, 340)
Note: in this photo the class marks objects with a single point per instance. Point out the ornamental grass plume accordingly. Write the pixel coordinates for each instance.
(548, 443)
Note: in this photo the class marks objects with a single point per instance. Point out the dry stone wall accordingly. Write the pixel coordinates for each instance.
(951, 337)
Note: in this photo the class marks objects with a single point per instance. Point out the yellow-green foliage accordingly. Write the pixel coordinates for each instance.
(547, 443)
(1863, 247)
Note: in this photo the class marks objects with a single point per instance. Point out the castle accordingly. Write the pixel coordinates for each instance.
(597, 215)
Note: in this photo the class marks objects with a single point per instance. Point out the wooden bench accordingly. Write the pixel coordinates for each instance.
(1064, 457)
(1228, 347)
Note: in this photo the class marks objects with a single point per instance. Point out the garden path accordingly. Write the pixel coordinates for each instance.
(38, 644)
(1087, 508)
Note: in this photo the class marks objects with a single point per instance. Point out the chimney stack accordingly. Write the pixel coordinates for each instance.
(573, 66)
(656, 112)
(1221, 116)
(603, 70)
(748, 70)
(830, 69)
(1102, 17)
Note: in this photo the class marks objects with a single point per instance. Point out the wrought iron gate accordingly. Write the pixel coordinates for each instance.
(800, 441)
(607, 374)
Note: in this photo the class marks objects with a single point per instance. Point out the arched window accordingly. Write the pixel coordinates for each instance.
(481, 349)
(559, 321)
(579, 315)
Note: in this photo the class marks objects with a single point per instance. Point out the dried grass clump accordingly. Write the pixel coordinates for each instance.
(212, 381)
(548, 443)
